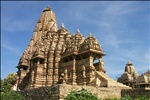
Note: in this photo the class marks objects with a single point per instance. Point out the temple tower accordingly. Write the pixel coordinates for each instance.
(129, 76)
(54, 56)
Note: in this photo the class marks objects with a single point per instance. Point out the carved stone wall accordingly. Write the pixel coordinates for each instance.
(136, 92)
(59, 92)
(54, 56)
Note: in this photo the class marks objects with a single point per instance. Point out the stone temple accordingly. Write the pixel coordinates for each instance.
(54, 56)
(132, 79)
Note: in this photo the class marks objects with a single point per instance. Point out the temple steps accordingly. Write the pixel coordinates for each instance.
(110, 81)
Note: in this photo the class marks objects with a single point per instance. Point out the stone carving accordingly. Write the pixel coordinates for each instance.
(143, 80)
(129, 76)
(55, 56)
(24, 58)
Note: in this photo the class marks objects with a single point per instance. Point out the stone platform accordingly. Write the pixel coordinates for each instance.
(59, 92)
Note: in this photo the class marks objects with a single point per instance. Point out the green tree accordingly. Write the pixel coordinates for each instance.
(7, 82)
(10, 79)
(11, 95)
(6, 93)
(82, 94)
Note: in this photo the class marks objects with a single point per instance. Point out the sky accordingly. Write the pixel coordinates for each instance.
(121, 27)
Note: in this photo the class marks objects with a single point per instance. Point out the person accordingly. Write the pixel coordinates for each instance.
(14, 87)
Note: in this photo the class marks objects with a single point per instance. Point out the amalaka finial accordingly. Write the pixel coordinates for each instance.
(62, 25)
(78, 31)
(129, 62)
(47, 9)
(90, 35)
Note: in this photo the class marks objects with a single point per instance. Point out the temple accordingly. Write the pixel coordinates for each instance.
(54, 56)
(129, 76)
(132, 79)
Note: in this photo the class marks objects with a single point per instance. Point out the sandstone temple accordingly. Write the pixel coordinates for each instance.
(56, 57)
(132, 79)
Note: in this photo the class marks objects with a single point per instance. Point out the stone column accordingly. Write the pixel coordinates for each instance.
(50, 67)
(84, 75)
(91, 67)
(32, 79)
(101, 65)
(74, 71)
(56, 65)
(65, 75)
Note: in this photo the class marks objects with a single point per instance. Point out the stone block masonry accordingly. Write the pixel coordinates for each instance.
(59, 92)
(134, 93)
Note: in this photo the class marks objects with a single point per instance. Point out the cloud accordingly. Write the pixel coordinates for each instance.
(9, 46)
(17, 18)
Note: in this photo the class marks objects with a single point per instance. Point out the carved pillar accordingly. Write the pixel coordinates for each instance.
(49, 78)
(65, 76)
(74, 71)
(91, 67)
(56, 65)
(84, 75)
(101, 65)
(32, 79)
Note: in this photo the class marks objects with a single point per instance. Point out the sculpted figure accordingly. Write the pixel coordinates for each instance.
(131, 70)
(24, 57)
(101, 63)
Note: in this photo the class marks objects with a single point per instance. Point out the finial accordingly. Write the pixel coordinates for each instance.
(47, 9)
(90, 34)
(78, 31)
(129, 62)
(62, 25)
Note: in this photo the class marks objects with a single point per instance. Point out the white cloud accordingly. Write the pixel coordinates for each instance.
(11, 25)
(9, 46)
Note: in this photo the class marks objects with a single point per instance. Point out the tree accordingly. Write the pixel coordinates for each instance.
(82, 94)
(12, 95)
(7, 82)
(10, 79)
(6, 92)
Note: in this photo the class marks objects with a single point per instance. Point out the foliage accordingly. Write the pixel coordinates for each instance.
(6, 93)
(10, 79)
(126, 97)
(82, 94)
(11, 95)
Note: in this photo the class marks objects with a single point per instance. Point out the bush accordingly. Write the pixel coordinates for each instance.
(126, 97)
(12, 95)
(82, 94)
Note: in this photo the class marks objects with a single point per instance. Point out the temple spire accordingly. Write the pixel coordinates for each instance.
(78, 31)
(62, 26)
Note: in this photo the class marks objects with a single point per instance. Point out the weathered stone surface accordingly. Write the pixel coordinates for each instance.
(143, 80)
(129, 76)
(136, 92)
(59, 92)
(54, 56)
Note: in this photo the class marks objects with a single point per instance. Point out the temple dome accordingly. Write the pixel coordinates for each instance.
(91, 43)
(47, 21)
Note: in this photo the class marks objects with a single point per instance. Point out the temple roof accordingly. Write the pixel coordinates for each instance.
(47, 8)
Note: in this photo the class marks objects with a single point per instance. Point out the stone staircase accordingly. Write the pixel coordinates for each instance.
(103, 80)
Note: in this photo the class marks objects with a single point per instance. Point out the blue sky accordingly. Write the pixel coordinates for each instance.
(121, 27)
